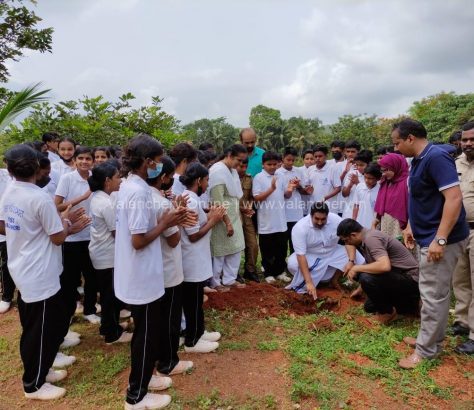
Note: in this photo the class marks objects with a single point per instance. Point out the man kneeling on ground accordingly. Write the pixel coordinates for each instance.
(318, 257)
(389, 278)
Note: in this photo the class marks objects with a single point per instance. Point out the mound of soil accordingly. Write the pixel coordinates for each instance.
(271, 300)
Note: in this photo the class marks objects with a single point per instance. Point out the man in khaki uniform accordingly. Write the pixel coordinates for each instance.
(250, 233)
(463, 277)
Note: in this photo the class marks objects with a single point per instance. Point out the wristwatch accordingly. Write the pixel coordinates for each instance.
(441, 241)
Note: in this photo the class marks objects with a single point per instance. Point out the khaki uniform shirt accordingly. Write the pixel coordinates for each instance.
(466, 177)
(247, 198)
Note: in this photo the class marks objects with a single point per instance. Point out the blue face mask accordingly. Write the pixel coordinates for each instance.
(154, 173)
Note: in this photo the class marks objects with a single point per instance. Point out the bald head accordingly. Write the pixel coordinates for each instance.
(248, 138)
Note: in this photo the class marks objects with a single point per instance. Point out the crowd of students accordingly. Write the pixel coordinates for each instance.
(148, 235)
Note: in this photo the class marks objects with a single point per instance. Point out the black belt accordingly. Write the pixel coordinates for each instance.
(471, 225)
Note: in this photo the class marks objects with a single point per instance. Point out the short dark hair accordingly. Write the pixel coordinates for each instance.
(364, 155)
(43, 161)
(338, 144)
(83, 150)
(99, 174)
(306, 152)
(468, 126)
(140, 148)
(205, 146)
(270, 156)
(50, 136)
(194, 171)
(22, 161)
(373, 169)
(348, 226)
(105, 149)
(408, 127)
(320, 207)
(235, 150)
(182, 151)
(352, 144)
(321, 148)
(290, 151)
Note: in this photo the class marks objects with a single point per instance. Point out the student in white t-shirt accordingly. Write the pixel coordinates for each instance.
(34, 232)
(51, 139)
(168, 362)
(101, 155)
(104, 180)
(182, 155)
(366, 195)
(308, 162)
(138, 272)
(73, 189)
(269, 192)
(64, 164)
(294, 205)
(197, 261)
(338, 163)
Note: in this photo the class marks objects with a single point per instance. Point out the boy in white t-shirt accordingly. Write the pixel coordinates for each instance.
(308, 162)
(366, 195)
(269, 192)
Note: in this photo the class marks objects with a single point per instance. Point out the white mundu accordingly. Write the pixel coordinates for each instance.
(324, 180)
(321, 249)
(102, 244)
(72, 186)
(271, 215)
(197, 260)
(138, 274)
(365, 198)
(35, 263)
(294, 205)
(172, 257)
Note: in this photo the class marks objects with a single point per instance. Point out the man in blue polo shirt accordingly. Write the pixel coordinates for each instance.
(248, 138)
(437, 221)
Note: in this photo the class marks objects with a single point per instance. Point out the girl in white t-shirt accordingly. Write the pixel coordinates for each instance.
(138, 272)
(66, 149)
(104, 180)
(34, 232)
(73, 190)
(172, 304)
(197, 261)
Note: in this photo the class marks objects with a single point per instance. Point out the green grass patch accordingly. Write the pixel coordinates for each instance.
(268, 346)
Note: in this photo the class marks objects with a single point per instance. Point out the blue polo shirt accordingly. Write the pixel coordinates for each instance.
(432, 172)
(255, 161)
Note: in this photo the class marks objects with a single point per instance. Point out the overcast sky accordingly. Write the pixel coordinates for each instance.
(210, 58)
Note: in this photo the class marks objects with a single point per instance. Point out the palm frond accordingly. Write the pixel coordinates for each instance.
(21, 101)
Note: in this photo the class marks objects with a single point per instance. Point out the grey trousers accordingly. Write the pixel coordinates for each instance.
(463, 282)
(435, 289)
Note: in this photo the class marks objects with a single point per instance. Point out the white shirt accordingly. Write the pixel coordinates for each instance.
(365, 198)
(271, 215)
(293, 205)
(349, 200)
(197, 261)
(307, 239)
(337, 202)
(102, 243)
(35, 263)
(72, 186)
(58, 169)
(138, 274)
(5, 181)
(323, 180)
(172, 257)
(52, 185)
(53, 157)
(177, 188)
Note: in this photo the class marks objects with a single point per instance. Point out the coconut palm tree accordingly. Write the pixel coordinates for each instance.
(21, 101)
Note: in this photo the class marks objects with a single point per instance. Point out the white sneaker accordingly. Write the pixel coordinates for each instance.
(55, 376)
(270, 279)
(47, 392)
(150, 401)
(71, 334)
(211, 336)
(182, 367)
(124, 314)
(62, 360)
(159, 382)
(125, 337)
(69, 342)
(79, 308)
(98, 308)
(5, 306)
(284, 278)
(94, 319)
(202, 346)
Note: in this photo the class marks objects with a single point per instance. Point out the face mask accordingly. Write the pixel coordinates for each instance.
(167, 186)
(43, 182)
(337, 155)
(154, 173)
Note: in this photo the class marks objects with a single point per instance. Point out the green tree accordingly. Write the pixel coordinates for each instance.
(265, 120)
(95, 121)
(443, 113)
(216, 131)
(303, 132)
(358, 127)
(19, 32)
